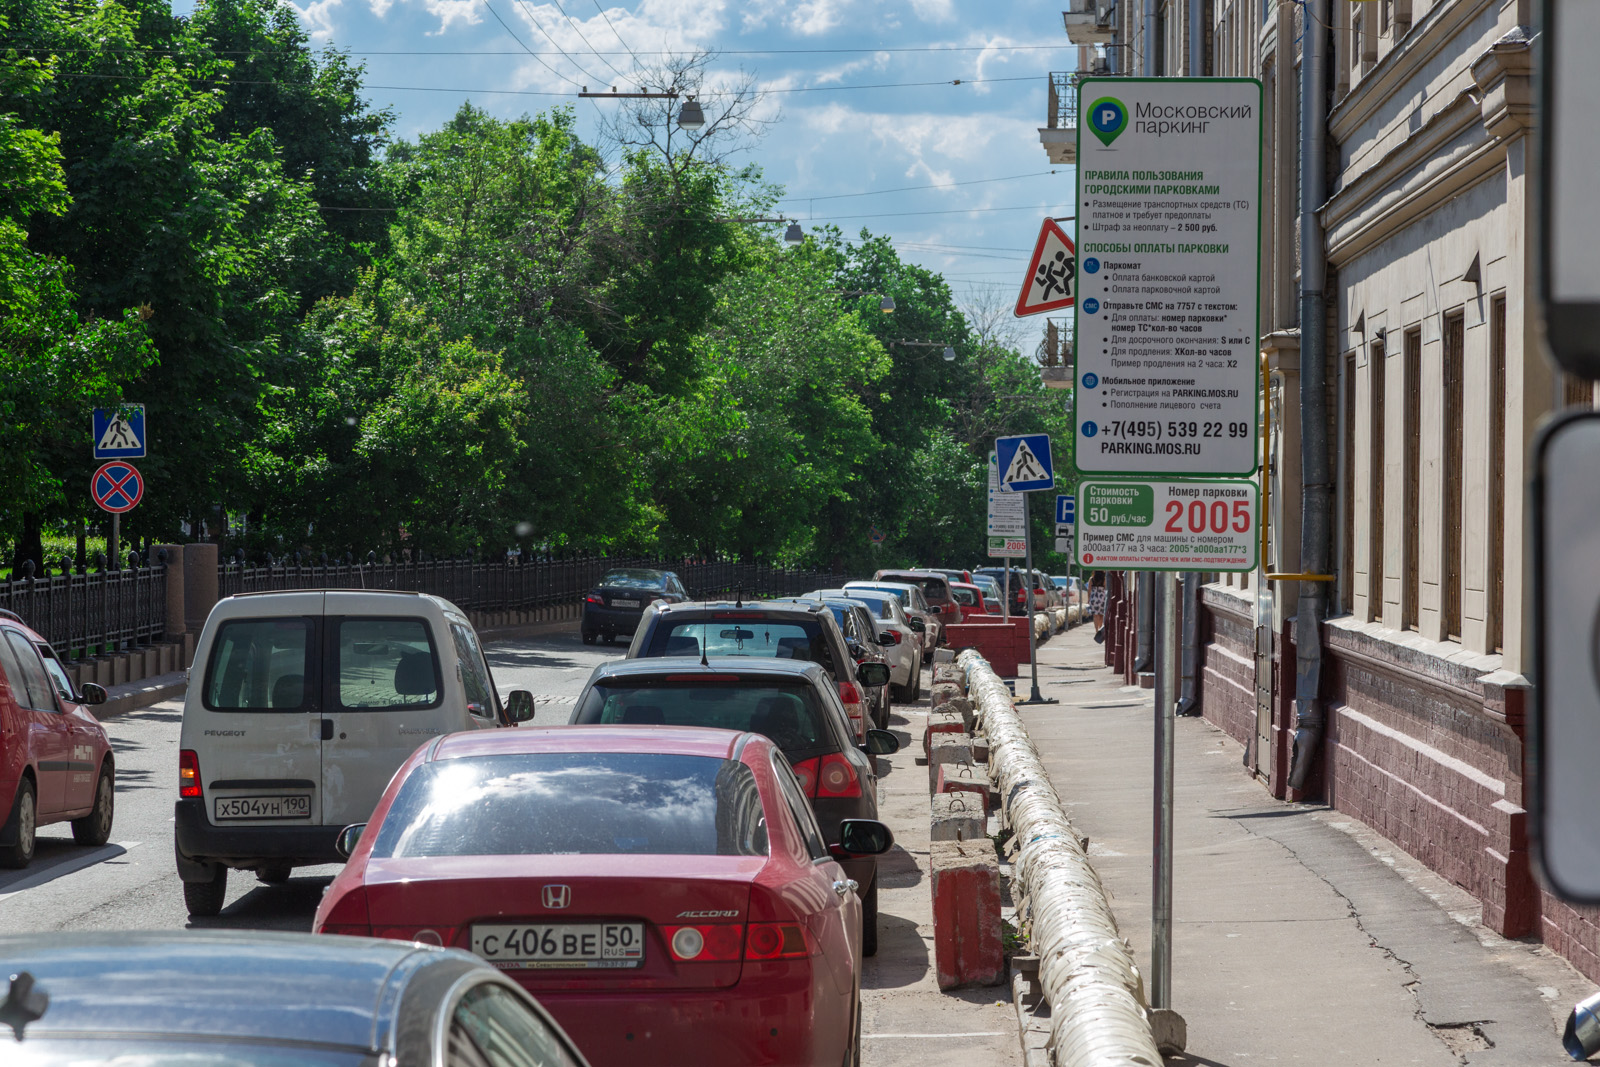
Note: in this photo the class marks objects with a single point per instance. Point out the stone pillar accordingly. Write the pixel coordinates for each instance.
(199, 583)
(177, 622)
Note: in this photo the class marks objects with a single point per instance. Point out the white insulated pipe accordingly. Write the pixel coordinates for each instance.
(1098, 1013)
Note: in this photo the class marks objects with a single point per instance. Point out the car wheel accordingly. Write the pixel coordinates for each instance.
(275, 875)
(205, 899)
(869, 921)
(95, 828)
(611, 639)
(589, 638)
(916, 682)
(23, 825)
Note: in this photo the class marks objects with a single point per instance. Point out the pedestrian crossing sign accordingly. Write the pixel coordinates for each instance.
(119, 432)
(1024, 463)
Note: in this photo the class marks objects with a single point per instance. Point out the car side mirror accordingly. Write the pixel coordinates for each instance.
(519, 706)
(873, 673)
(881, 743)
(92, 693)
(917, 624)
(862, 837)
(348, 839)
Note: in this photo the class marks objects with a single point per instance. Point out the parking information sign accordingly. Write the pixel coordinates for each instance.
(1167, 525)
(1008, 517)
(1169, 204)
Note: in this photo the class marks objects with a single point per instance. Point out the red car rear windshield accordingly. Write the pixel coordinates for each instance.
(576, 803)
(786, 711)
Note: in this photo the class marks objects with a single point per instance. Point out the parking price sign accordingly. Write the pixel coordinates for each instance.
(1169, 224)
(1178, 525)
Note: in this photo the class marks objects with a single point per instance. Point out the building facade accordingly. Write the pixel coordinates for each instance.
(1438, 381)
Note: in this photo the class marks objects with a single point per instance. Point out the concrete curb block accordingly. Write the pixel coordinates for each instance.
(1099, 1015)
(967, 945)
(136, 695)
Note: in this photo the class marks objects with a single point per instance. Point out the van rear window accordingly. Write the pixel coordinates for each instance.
(387, 664)
(258, 665)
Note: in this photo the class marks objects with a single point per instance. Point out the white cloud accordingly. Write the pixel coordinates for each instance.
(836, 75)
(923, 145)
(933, 10)
(318, 17)
(449, 12)
(814, 17)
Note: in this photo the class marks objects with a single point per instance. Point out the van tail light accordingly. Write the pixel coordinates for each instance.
(828, 777)
(777, 941)
(594, 598)
(189, 774)
(715, 943)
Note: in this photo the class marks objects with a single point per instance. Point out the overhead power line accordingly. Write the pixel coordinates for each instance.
(916, 188)
(513, 33)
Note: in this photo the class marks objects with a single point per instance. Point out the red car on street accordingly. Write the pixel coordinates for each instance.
(663, 891)
(55, 760)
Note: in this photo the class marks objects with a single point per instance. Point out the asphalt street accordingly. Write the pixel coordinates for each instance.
(132, 884)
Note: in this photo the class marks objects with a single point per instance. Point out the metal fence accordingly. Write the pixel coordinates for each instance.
(94, 612)
(517, 586)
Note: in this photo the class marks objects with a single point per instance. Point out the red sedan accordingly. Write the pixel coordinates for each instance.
(55, 760)
(663, 891)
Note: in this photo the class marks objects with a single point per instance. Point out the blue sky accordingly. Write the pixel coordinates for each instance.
(829, 141)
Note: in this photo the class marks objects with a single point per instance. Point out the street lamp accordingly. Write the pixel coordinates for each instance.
(794, 235)
(949, 354)
(690, 116)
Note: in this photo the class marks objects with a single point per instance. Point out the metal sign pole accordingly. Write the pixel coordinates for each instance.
(1027, 592)
(1166, 641)
(114, 544)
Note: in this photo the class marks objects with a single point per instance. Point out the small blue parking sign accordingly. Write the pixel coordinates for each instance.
(1024, 463)
(119, 432)
(1066, 511)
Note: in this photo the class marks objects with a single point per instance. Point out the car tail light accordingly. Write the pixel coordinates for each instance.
(776, 941)
(850, 693)
(831, 776)
(806, 771)
(716, 943)
(595, 598)
(189, 773)
(349, 917)
(898, 637)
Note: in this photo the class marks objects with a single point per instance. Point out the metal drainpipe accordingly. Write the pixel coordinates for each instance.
(1144, 601)
(1316, 483)
(1188, 703)
(1147, 55)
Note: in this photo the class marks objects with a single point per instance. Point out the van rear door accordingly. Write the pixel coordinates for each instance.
(254, 723)
(385, 693)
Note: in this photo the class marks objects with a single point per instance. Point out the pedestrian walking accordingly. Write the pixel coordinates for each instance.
(1097, 605)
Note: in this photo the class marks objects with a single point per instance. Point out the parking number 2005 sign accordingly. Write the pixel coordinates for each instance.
(1170, 525)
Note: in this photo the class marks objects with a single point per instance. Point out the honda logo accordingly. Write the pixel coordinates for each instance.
(557, 896)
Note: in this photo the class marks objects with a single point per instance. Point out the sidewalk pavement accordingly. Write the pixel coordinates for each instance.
(1300, 935)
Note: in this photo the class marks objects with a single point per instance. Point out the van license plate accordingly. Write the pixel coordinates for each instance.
(263, 807)
(537, 947)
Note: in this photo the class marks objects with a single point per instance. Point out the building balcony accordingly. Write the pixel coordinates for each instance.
(1059, 135)
(1089, 23)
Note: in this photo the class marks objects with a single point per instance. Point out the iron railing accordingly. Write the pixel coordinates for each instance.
(517, 586)
(1063, 113)
(94, 612)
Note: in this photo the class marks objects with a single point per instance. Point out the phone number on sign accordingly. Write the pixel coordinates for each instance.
(1152, 428)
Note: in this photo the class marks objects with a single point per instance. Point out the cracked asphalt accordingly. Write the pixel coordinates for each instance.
(1300, 935)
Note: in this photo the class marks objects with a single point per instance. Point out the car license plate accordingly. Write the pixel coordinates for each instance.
(624, 603)
(538, 947)
(263, 807)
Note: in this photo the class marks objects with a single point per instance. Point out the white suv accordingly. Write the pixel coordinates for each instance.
(301, 706)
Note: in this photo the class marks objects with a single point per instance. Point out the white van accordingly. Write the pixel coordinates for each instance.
(301, 706)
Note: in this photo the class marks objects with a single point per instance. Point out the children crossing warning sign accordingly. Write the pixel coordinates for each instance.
(1052, 273)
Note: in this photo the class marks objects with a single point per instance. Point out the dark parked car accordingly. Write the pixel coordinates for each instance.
(786, 630)
(793, 702)
(861, 637)
(211, 997)
(615, 605)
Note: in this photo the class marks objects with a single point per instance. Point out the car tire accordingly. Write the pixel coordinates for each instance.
(589, 637)
(869, 921)
(23, 825)
(275, 875)
(916, 681)
(94, 829)
(205, 899)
